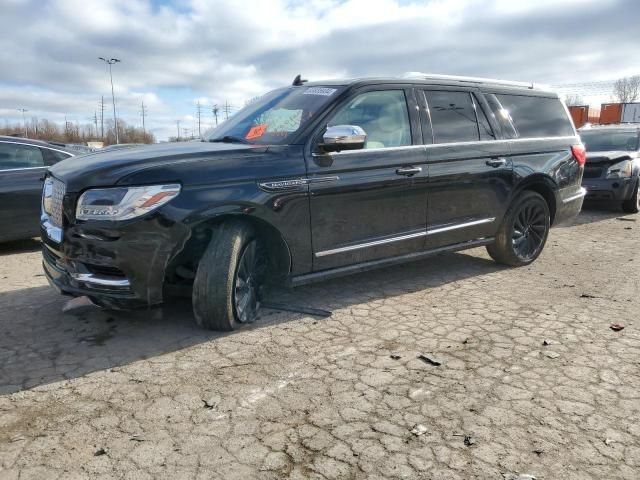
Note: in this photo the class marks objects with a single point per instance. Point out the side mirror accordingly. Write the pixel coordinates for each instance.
(343, 137)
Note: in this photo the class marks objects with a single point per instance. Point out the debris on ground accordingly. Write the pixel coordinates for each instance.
(515, 476)
(587, 295)
(79, 305)
(624, 219)
(546, 343)
(17, 438)
(418, 429)
(212, 402)
(429, 360)
(395, 356)
(616, 327)
(538, 451)
(469, 440)
(137, 438)
(551, 354)
(100, 452)
(608, 441)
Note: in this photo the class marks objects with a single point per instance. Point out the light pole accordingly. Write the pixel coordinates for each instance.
(24, 122)
(110, 62)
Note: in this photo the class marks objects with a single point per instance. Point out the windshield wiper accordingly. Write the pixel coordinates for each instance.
(230, 139)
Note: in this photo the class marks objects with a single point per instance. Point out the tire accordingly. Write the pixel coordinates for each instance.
(222, 279)
(632, 205)
(524, 231)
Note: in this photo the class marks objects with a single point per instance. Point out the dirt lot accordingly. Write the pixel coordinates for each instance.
(531, 378)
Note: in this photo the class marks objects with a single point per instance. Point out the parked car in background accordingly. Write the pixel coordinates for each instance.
(612, 171)
(23, 164)
(310, 182)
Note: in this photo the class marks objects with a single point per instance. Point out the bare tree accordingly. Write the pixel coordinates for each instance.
(574, 99)
(627, 89)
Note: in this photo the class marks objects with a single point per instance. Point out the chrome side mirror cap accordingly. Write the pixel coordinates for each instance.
(343, 137)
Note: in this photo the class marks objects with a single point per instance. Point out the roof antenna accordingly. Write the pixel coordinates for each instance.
(298, 81)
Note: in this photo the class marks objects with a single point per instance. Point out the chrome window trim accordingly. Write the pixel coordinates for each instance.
(406, 236)
(433, 231)
(21, 169)
(580, 194)
(100, 280)
(37, 146)
(448, 144)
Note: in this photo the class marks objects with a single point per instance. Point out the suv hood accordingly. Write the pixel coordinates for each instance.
(115, 166)
(610, 157)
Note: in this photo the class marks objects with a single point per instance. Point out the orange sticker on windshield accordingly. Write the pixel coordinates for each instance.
(256, 131)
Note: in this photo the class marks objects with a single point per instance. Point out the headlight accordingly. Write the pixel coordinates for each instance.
(620, 169)
(123, 203)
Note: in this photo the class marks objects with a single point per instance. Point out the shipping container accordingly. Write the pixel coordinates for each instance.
(579, 114)
(610, 113)
(631, 113)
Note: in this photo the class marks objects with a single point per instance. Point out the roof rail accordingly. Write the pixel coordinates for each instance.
(458, 78)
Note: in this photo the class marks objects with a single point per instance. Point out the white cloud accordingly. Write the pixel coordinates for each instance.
(229, 51)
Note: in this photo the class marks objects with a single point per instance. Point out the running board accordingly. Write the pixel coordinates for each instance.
(385, 262)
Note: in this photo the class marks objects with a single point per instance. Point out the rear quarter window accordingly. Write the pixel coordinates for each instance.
(536, 116)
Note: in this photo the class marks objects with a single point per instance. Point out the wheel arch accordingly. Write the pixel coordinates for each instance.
(185, 263)
(543, 185)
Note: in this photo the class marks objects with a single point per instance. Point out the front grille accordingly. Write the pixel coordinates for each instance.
(53, 204)
(592, 172)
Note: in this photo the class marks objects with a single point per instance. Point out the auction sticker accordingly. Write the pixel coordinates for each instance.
(325, 92)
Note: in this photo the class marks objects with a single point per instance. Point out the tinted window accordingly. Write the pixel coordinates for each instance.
(453, 116)
(537, 116)
(55, 155)
(13, 155)
(382, 114)
(502, 116)
(486, 133)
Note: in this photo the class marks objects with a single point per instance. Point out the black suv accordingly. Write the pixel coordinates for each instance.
(612, 171)
(23, 164)
(313, 181)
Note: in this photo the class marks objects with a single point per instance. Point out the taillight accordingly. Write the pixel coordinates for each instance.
(579, 153)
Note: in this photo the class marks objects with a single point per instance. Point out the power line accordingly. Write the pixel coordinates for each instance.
(199, 114)
(226, 109)
(101, 116)
(143, 113)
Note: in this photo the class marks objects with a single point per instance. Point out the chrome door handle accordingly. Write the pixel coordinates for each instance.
(408, 171)
(497, 162)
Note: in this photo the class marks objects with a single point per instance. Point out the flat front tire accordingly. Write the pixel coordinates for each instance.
(227, 283)
(524, 230)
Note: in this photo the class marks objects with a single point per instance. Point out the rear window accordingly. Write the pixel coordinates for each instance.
(534, 116)
(15, 155)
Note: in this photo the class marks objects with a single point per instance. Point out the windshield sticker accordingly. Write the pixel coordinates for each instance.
(324, 92)
(256, 131)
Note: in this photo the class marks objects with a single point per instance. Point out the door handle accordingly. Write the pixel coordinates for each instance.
(408, 171)
(497, 162)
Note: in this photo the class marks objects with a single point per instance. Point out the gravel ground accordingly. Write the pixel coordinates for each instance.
(450, 368)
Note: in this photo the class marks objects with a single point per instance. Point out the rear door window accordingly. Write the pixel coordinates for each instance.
(486, 132)
(453, 116)
(15, 155)
(534, 116)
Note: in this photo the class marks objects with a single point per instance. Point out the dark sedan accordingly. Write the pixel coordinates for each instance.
(23, 164)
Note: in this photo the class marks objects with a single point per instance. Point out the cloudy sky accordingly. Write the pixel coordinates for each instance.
(176, 52)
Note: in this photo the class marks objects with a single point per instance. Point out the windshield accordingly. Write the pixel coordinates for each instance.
(605, 141)
(275, 117)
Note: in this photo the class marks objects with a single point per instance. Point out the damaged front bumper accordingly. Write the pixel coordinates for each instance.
(121, 267)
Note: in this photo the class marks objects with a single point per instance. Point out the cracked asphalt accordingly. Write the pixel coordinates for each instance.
(531, 379)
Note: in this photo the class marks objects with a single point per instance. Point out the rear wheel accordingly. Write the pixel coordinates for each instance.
(228, 280)
(523, 232)
(632, 205)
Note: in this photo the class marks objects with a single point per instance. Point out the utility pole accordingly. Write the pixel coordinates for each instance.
(102, 117)
(95, 121)
(24, 122)
(215, 111)
(227, 109)
(178, 126)
(143, 112)
(199, 114)
(110, 62)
